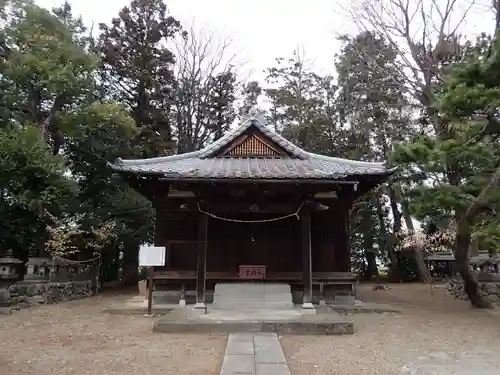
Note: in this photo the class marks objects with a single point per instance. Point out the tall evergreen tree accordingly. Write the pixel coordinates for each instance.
(137, 69)
(373, 102)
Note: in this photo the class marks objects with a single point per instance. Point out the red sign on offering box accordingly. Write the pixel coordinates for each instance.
(252, 272)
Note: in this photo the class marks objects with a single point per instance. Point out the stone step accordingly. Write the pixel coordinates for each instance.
(252, 296)
(252, 305)
(253, 287)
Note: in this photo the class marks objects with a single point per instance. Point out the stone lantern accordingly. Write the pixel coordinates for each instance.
(9, 268)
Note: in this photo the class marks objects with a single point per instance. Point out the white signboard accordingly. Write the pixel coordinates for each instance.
(151, 256)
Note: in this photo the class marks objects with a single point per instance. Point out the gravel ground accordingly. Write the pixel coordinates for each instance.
(434, 335)
(76, 338)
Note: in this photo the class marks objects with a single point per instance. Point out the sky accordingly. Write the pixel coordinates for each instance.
(260, 30)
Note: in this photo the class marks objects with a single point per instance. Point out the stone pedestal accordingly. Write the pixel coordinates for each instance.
(252, 296)
(308, 309)
(142, 286)
(198, 310)
(4, 298)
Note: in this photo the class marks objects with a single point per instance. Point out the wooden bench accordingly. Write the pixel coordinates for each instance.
(320, 278)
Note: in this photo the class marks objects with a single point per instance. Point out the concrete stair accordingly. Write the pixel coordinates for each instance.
(247, 296)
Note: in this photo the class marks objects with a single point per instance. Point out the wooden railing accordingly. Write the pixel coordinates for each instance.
(326, 277)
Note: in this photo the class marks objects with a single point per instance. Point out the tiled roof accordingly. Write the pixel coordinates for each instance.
(204, 164)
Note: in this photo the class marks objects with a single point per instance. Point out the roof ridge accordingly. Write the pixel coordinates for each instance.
(236, 132)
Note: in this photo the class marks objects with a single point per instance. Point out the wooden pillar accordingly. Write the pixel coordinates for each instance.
(342, 240)
(347, 234)
(201, 264)
(305, 220)
(153, 191)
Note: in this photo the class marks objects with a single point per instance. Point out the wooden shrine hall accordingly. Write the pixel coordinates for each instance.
(252, 207)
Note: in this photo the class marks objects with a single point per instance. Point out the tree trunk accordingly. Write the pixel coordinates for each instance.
(425, 275)
(463, 240)
(371, 264)
(366, 226)
(471, 287)
(396, 225)
(130, 270)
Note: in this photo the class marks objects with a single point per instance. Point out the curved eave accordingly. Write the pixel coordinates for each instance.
(191, 167)
(177, 176)
(350, 178)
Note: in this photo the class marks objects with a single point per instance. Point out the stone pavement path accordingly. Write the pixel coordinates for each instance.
(254, 354)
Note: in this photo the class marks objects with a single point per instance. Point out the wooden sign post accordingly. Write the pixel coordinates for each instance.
(151, 256)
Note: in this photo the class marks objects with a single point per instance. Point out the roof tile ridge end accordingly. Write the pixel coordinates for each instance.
(158, 159)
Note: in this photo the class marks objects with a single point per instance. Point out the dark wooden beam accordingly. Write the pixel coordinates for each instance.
(253, 207)
(201, 266)
(250, 207)
(305, 219)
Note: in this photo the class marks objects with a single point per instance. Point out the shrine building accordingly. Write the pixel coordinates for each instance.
(252, 207)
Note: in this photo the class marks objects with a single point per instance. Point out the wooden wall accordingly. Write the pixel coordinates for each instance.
(274, 244)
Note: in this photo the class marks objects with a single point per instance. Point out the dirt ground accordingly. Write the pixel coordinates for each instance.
(434, 335)
(77, 338)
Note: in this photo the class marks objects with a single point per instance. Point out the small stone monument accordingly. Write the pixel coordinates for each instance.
(38, 267)
(9, 268)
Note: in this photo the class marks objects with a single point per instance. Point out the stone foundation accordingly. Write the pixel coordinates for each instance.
(490, 290)
(162, 297)
(27, 293)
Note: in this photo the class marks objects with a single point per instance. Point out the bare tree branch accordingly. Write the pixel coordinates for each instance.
(200, 58)
(423, 43)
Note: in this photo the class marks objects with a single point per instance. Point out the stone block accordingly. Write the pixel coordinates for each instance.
(272, 369)
(238, 364)
(240, 347)
(269, 354)
(295, 327)
(36, 300)
(5, 310)
(240, 337)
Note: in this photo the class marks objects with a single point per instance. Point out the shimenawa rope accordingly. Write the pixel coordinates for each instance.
(296, 214)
